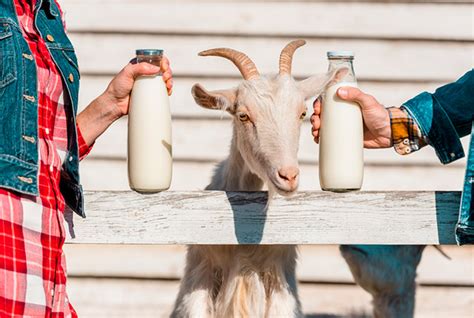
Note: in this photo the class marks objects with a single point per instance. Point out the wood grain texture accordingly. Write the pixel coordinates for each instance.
(298, 19)
(316, 263)
(216, 217)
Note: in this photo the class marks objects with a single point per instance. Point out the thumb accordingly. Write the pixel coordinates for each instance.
(142, 69)
(354, 94)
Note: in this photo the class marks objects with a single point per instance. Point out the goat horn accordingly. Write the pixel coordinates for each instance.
(286, 56)
(245, 65)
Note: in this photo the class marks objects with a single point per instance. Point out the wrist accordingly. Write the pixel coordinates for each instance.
(108, 107)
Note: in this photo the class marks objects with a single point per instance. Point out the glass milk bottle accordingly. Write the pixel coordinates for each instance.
(341, 141)
(149, 130)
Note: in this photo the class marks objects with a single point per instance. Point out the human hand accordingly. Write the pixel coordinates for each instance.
(377, 130)
(118, 92)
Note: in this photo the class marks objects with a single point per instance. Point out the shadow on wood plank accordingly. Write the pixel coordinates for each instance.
(447, 210)
(250, 214)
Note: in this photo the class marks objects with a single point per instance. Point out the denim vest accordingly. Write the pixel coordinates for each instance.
(19, 162)
(444, 117)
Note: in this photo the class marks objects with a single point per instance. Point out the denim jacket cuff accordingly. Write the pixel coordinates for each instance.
(436, 126)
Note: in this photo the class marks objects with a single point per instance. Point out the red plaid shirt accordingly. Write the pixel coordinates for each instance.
(32, 263)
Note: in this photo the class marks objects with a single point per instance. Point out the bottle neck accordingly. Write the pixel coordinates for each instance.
(151, 59)
(336, 63)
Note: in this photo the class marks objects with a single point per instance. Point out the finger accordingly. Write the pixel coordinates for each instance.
(315, 132)
(317, 106)
(316, 140)
(167, 75)
(141, 69)
(165, 64)
(315, 122)
(356, 95)
(169, 84)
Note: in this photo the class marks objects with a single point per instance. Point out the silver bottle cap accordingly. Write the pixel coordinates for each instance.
(149, 52)
(340, 54)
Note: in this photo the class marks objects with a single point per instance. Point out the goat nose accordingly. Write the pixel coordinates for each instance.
(289, 173)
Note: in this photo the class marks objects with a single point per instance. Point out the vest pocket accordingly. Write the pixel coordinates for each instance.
(7, 55)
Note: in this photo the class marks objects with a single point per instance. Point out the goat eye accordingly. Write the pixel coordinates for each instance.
(303, 115)
(243, 117)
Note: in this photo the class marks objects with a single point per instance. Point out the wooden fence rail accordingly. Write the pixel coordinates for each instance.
(217, 217)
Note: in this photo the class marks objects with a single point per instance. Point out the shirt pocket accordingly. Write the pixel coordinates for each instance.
(7, 55)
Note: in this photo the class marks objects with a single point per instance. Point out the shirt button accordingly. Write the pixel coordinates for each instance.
(28, 56)
(70, 158)
(71, 78)
(46, 130)
(51, 168)
(29, 98)
(50, 38)
(452, 154)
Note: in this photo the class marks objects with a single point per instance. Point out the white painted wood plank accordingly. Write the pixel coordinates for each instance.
(183, 105)
(381, 59)
(209, 140)
(402, 20)
(316, 263)
(112, 175)
(135, 298)
(217, 217)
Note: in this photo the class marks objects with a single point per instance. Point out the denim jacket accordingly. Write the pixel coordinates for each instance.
(19, 162)
(444, 117)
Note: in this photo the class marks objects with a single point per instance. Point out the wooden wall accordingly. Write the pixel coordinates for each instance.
(402, 48)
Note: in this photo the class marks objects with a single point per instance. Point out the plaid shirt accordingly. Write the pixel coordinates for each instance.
(406, 136)
(32, 262)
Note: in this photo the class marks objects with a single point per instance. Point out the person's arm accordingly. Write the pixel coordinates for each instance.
(114, 102)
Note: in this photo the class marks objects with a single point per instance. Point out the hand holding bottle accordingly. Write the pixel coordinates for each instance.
(119, 89)
(114, 102)
(377, 132)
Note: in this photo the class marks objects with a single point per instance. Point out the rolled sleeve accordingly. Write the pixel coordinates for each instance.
(436, 126)
(406, 136)
(84, 148)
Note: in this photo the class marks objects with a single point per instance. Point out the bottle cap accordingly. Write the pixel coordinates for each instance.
(149, 52)
(340, 54)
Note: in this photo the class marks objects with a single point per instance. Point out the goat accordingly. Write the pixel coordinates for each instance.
(252, 280)
(259, 281)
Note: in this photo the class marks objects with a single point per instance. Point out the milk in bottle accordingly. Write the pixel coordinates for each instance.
(149, 130)
(341, 156)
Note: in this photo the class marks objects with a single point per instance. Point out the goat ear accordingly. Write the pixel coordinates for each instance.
(313, 86)
(220, 99)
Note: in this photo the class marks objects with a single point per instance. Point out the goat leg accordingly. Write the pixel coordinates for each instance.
(195, 295)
